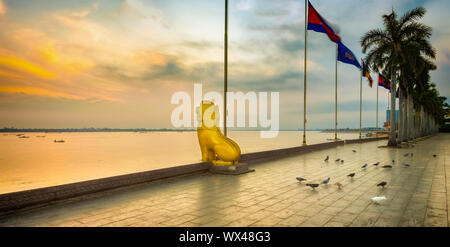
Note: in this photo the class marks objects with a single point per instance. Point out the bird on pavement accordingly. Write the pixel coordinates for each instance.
(434, 155)
(327, 158)
(351, 175)
(339, 185)
(382, 184)
(364, 166)
(406, 165)
(342, 161)
(326, 181)
(354, 151)
(313, 186)
(376, 164)
(378, 199)
(406, 155)
(337, 160)
(387, 166)
(300, 179)
(393, 161)
(412, 154)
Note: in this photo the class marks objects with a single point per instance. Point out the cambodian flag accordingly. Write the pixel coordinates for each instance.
(383, 82)
(319, 24)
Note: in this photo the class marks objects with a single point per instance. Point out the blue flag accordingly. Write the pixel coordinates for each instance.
(347, 56)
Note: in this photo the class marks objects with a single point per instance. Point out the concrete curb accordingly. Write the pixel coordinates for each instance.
(264, 156)
(365, 140)
(22, 199)
(11, 202)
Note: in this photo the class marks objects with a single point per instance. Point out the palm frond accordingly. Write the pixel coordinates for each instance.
(412, 15)
(416, 29)
(373, 38)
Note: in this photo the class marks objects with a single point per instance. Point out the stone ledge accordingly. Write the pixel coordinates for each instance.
(276, 154)
(363, 140)
(22, 199)
(238, 169)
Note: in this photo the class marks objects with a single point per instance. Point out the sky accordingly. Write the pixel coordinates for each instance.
(116, 63)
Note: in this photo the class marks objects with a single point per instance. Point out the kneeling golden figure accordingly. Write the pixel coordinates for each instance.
(216, 148)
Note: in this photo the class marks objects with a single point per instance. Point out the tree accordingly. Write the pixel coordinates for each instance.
(396, 50)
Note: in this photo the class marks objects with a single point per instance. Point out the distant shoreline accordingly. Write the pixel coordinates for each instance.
(91, 130)
(352, 131)
(88, 130)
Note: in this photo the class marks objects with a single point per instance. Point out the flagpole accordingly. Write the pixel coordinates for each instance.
(335, 96)
(360, 103)
(377, 110)
(304, 75)
(225, 83)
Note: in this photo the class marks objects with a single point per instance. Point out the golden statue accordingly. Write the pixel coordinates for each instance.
(216, 148)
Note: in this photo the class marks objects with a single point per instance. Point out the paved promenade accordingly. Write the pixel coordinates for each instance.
(418, 195)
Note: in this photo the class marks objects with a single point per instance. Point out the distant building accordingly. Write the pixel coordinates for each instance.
(387, 124)
(388, 115)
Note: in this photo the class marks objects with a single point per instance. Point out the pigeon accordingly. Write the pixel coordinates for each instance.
(364, 166)
(393, 161)
(354, 151)
(351, 175)
(434, 155)
(412, 154)
(387, 166)
(378, 199)
(406, 155)
(342, 161)
(339, 185)
(376, 164)
(406, 165)
(300, 179)
(327, 158)
(382, 184)
(326, 181)
(313, 186)
(338, 160)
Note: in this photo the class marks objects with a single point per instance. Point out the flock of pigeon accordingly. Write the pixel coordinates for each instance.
(382, 184)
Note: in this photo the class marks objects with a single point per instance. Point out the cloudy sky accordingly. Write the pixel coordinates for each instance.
(116, 63)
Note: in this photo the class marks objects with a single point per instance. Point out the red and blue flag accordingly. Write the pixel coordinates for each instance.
(317, 23)
(383, 82)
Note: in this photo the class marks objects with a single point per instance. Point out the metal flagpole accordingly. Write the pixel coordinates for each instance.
(377, 110)
(360, 103)
(335, 96)
(304, 74)
(388, 106)
(225, 80)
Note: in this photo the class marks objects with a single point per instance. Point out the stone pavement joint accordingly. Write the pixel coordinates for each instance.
(418, 195)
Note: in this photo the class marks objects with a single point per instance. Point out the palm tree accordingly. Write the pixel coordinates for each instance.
(421, 78)
(395, 49)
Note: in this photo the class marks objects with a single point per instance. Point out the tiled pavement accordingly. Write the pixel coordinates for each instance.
(416, 196)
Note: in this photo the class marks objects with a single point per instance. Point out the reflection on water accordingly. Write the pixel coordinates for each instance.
(39, 161)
